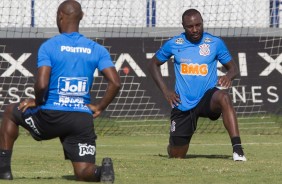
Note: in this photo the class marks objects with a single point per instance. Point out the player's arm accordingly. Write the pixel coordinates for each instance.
(114, 85)
(41, 84)
(232, 71)
(154, 69)
(40, 89)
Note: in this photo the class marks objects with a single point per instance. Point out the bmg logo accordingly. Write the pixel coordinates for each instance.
(74, 86)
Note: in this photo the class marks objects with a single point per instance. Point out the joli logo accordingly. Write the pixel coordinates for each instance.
(73, 86)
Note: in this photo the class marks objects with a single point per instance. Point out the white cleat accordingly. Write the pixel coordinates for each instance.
(237, 157)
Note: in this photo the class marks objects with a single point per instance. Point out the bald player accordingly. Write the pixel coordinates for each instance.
(62, 107)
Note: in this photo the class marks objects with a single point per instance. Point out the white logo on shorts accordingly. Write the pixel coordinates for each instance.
(86, 150)
(172, 126)
(29, 121)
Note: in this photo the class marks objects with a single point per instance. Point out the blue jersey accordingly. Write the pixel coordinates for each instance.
(195, 66)
(73, 60)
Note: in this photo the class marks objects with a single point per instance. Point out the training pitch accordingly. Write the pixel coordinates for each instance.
(143, 159)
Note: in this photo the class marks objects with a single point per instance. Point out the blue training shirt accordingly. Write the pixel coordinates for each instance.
(73, 59)
(195, 65)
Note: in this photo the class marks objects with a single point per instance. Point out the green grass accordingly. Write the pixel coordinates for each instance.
(143, 159)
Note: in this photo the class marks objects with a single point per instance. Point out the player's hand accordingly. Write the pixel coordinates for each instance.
(95, 110)
(27, 103)
(172, 98)
(224, 82)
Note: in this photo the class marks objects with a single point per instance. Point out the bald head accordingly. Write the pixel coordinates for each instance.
(69, 15)
(190, 12)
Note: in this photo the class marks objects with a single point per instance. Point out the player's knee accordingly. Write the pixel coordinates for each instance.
(80, 176)
(224, 99)
(85, 173)
(9, 110)
(178, 146)
(177, 151)
(8, 115)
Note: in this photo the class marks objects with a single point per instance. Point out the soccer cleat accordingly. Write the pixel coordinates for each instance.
(239, 155)
(107, 171)
(6, 176)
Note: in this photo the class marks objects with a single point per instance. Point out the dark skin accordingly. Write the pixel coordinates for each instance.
(220, 102)
(69, 15)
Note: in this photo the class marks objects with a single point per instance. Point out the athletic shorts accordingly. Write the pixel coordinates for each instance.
(184, 123)
(75, 130)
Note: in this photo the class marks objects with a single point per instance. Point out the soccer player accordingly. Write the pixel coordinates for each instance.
(195, 95)
(61, 108)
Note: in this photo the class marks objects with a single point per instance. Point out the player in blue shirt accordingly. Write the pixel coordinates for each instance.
(196, 54)
(61, 108)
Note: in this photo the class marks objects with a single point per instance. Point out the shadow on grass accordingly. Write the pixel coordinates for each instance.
(66, 177)
(69, 177)
(191, 156)
(37, 178)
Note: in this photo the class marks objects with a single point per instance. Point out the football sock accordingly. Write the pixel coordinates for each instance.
(236, 143)
(5, 160)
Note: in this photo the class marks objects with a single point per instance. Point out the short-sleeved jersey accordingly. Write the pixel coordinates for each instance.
(195, 65)
(73, 59)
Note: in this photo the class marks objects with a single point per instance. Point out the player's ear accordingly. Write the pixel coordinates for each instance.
(60, 15)
(82, 14)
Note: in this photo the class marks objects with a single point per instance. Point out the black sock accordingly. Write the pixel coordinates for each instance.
(97, 172)
(5, 160)
(236, 143)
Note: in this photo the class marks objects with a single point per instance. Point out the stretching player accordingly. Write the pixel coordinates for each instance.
(61, 108)
(195, 64)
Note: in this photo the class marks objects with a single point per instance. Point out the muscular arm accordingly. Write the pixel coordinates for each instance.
(114, 85)
(41, 84)
(154, 69)
(232, 72)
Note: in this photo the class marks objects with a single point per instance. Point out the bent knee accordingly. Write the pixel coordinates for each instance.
(9, 112)
(9, 109)
(177, 151)
(223, 98)
(80, 176)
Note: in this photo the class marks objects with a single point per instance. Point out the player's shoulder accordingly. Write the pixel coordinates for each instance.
(210, 38)
(51, 41)
(177, 40)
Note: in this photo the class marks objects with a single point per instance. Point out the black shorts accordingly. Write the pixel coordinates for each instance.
(75, 130)
(184, 123)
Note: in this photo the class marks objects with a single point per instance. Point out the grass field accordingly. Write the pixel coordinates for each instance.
(143, 159)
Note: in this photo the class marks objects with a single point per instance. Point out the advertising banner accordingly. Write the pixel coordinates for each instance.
(256, 90)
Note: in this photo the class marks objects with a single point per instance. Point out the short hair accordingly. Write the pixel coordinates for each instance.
(190, 12)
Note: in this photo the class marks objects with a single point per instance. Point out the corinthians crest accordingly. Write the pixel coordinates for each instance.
(204, 49)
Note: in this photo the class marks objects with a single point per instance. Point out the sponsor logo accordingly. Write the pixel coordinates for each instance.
(207, 40)
(75, 49)
(184, 60)
(70, 101)
(172, 126)
(193, 69)
(73, 100)
(85, 149)
(73, 86)
(204, 49)
(29, 121)
(179, 41)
